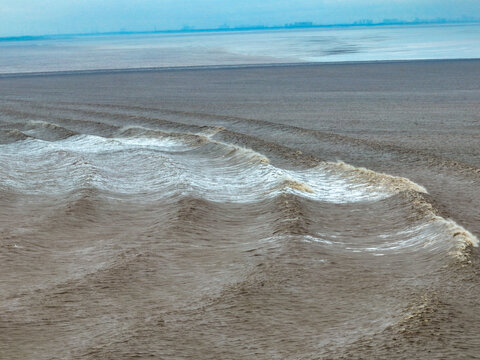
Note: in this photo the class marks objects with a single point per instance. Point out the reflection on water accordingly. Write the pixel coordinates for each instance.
(247, 47)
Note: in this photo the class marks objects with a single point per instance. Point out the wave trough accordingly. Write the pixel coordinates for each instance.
(119, 236)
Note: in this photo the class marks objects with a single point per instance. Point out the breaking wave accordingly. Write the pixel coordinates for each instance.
(160, 224)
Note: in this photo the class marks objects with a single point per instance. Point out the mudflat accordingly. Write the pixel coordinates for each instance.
(301, 211)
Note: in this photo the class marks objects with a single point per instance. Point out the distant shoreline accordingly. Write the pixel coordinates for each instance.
(224, 67)
(293, 26)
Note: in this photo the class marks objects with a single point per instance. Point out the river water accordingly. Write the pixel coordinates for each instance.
(453, 41)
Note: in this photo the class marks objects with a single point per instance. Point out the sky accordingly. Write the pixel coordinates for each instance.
(39, 17)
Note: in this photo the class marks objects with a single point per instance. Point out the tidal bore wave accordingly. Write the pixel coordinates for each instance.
(167, 234)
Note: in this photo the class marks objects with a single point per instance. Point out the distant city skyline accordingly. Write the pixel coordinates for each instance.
(29, 17)
(227, 27)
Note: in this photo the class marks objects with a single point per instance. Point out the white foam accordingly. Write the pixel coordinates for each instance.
(164, 167)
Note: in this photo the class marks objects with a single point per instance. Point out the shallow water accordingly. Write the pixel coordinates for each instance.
(448, 41)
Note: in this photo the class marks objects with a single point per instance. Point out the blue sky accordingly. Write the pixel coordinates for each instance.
(36, 17)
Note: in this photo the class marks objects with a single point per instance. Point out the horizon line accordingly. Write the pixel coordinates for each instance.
(226, 28)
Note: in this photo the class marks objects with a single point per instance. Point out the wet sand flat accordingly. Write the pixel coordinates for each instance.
(302, 211)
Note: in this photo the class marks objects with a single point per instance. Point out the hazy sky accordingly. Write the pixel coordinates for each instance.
(35, 17)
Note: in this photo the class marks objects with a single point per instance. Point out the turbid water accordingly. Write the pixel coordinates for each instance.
(297, 212)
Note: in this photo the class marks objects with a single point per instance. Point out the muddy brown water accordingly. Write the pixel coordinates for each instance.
(287, 212)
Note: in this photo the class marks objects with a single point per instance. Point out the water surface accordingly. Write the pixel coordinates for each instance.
(242, 47)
